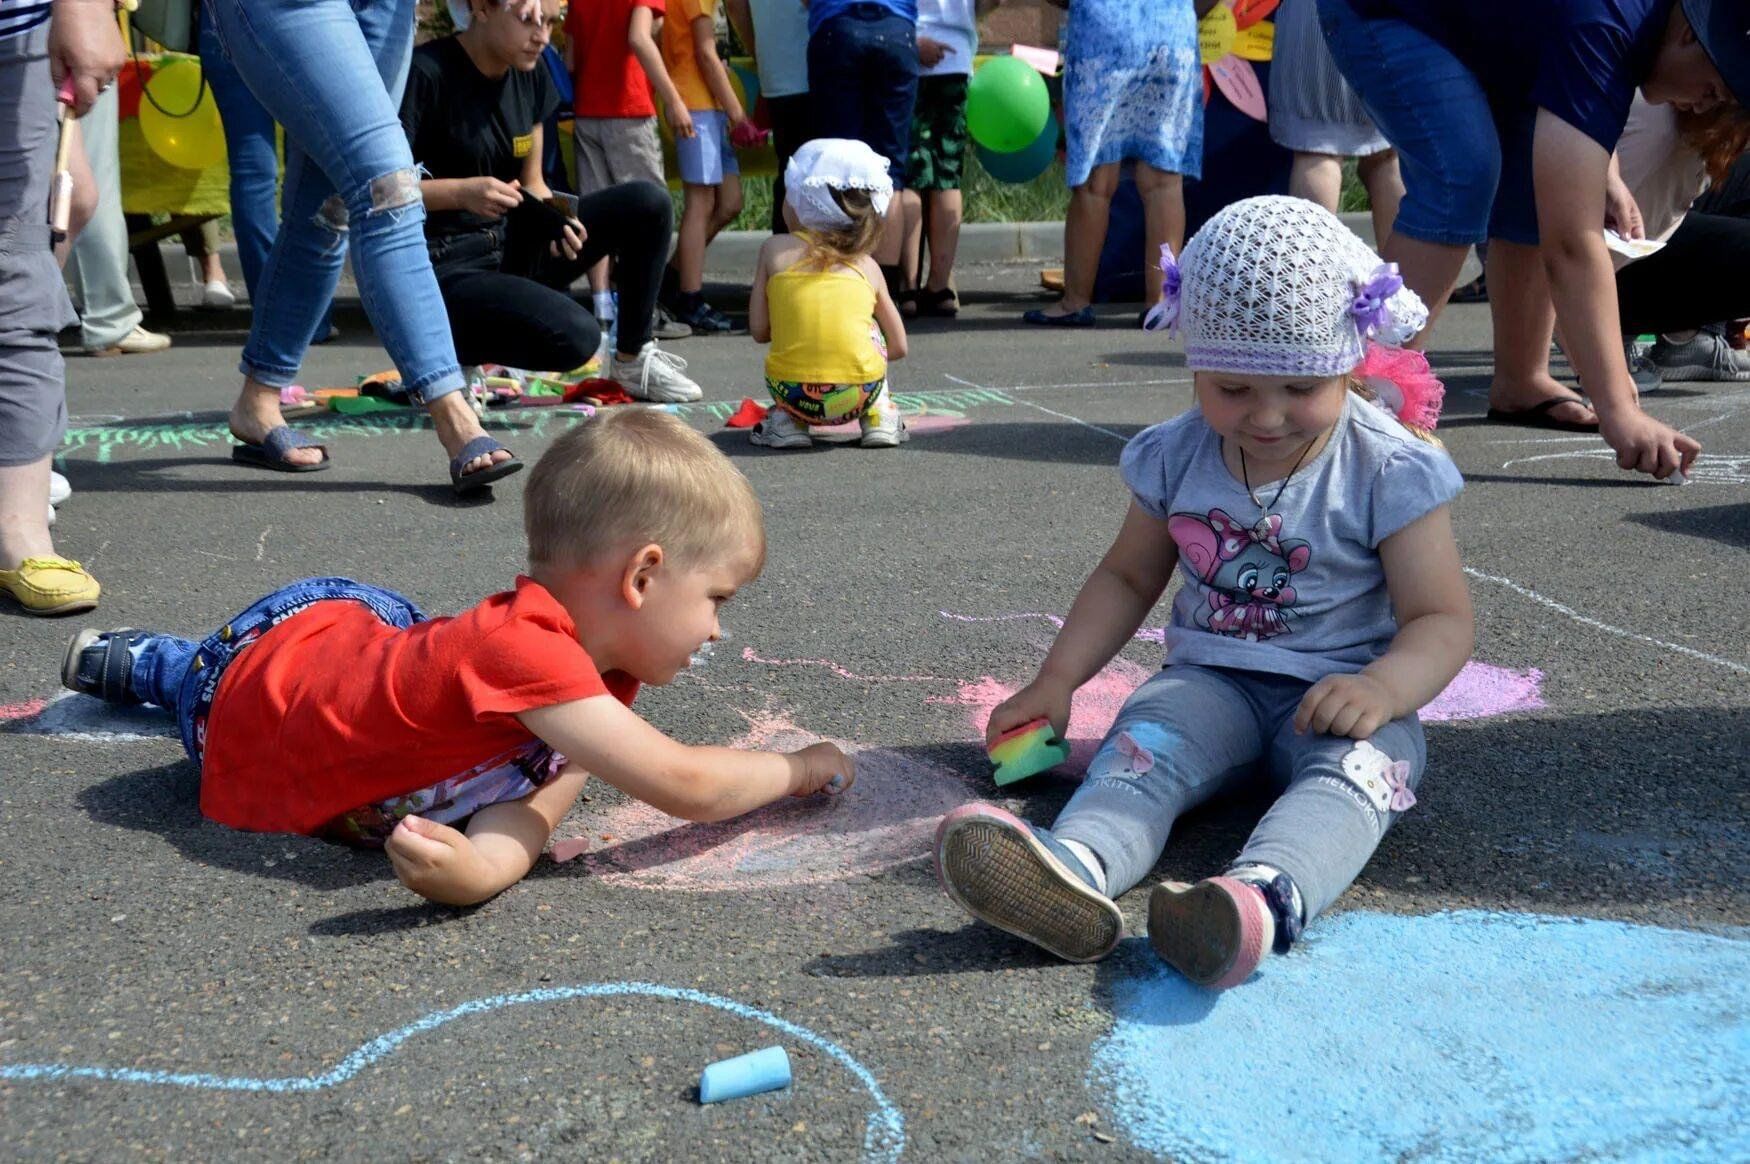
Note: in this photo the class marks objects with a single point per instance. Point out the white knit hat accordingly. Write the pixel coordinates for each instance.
(1277, 286)
(826, 164)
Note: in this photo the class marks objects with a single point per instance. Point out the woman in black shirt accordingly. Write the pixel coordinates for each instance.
(504, 255)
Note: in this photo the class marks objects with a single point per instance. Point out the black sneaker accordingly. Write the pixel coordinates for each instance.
(666, 327)
(99, 663)
(705, 319)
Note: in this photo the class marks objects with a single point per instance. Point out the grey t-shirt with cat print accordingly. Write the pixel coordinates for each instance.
(1301, 591)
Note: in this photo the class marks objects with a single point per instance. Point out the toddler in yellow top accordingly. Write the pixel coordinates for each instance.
(820, 300)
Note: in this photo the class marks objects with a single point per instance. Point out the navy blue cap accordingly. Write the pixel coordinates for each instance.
(1723, 28)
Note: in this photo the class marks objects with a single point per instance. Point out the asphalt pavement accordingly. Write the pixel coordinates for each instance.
(181, 991)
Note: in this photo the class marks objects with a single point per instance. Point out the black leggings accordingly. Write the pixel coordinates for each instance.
(508, 299)
(1697, 279)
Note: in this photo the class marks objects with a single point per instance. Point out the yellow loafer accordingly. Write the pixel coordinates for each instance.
(51, 585)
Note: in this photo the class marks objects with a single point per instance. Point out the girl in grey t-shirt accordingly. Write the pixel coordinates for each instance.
(1322, 605)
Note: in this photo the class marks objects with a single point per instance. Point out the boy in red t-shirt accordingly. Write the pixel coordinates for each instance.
(335, 709)
(615, 64)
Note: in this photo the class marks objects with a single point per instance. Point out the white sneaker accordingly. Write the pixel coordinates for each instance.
(474, 384)
(881, 424)
(59, 488)
(136, 342)
(780, 430)
(655, 375)
(218, 294)
(52, 515)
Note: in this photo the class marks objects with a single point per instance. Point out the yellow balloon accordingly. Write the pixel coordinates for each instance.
(179, 118)
(1216, 33)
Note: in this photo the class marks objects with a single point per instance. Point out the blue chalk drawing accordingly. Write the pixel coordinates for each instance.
(1466, 1036)
(883, 1132)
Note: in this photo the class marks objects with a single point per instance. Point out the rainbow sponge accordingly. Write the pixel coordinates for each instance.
(1026, 751)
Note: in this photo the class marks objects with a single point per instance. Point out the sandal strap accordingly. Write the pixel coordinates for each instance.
(480, 446)
(283, 438)
(115, 681)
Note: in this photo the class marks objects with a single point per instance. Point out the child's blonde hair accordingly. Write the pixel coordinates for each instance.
(847, 244)
(632, 476)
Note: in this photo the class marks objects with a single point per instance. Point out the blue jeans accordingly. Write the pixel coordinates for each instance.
(182, 676)
(332, 72)
(1191, 732)
(863, 81)
(1466, 164)
(251, 146)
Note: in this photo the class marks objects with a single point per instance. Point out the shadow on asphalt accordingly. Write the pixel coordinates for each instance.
(1063, 442)
(165, 801)
(144, 476)
(1727, 524)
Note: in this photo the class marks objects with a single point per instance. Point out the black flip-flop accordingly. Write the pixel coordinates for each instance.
(1538, 416)
(480, 446)
(271, 452)
(943, 304)
(1041, 318)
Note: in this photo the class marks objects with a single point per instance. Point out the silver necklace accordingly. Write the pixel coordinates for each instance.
(1253, 494)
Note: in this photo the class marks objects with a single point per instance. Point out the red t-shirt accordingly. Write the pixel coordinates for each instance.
(609, 81)
(333, 709)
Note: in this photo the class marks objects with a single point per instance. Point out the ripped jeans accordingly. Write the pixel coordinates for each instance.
(1191, 732)
(331, 72)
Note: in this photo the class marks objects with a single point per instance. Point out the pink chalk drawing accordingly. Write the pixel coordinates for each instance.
(923, 422)
(1482, 690)
(1092, 712)
(884, 821)
(80, 717)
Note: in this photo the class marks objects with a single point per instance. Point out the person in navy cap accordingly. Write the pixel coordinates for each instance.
(1506, 114)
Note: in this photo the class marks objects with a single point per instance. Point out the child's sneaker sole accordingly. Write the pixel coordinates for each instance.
(993, 866)
(1211, 932)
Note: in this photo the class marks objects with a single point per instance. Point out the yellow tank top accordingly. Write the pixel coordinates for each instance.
(823, 327)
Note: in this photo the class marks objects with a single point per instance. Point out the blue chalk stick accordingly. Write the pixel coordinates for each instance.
(763, 1070)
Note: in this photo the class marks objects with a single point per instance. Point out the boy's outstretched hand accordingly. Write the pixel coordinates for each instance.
(824, 769)
(436, 861)
(1040, 699)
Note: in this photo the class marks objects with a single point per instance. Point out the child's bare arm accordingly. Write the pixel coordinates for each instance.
(711, 68)
(887, 315)
(501, 845)
(759, 316)
(609, 740)
(1435, 636)
(1114, 600)
(641, 38)
(741, 20)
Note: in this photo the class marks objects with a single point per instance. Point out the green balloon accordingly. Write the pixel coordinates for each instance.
(1006, 105)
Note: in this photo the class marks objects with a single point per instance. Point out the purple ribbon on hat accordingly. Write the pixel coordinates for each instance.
(1371, 299)
(1165, 314)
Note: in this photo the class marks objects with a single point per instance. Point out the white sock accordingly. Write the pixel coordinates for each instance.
(1086, 855)
(604, 307)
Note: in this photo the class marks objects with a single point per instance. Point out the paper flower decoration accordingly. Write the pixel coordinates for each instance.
(1232, 35)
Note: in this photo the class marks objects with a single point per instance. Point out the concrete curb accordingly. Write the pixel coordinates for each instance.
(735, 250)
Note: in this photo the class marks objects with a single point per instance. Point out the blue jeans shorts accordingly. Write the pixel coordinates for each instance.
(1466, 163)
(705, 159)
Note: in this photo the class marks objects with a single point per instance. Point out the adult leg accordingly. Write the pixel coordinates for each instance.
(1696, 280)
(1317, 178)
(97, 262)
(790, 129)
(890, 94)
(1524, 317)
(33, 308)
(629, 224)
(350, 181)
(502, 318)
(1084, 233)
(911, 235)
(1384, 182)
(945, 213)
(1434, 111)
(1163, 216)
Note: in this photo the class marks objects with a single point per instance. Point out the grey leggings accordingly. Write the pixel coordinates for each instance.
(1191, 732)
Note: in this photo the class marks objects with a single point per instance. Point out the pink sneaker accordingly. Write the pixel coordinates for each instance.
(1211, 932)
(1004, 872)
